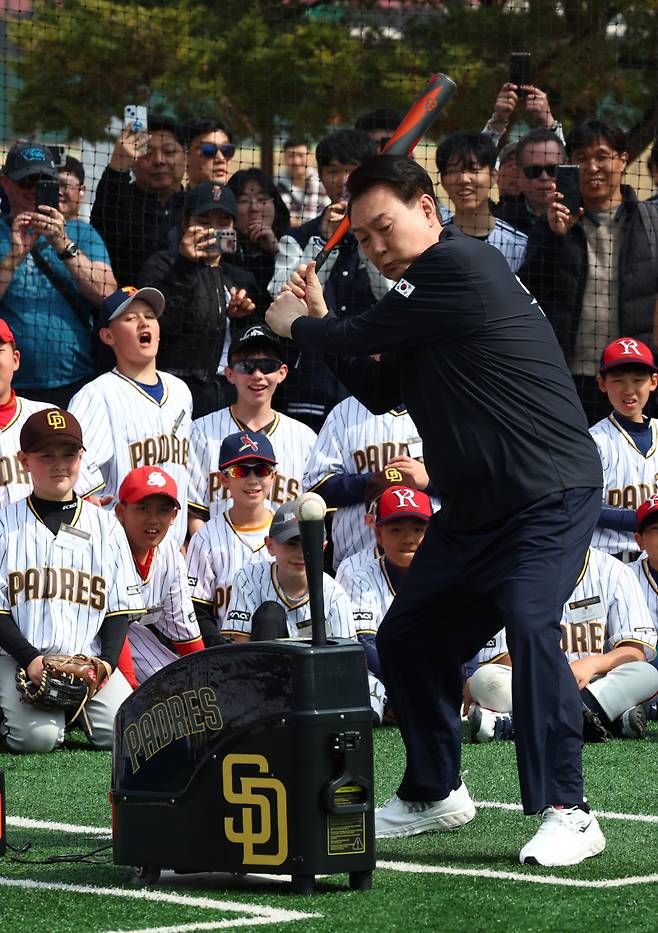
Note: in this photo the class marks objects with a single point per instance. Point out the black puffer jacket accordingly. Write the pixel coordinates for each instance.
(193, 325)
(555, 272)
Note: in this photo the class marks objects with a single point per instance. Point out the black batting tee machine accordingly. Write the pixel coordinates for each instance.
(254, 757)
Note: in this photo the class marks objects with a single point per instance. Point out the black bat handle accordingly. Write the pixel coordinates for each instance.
(312, 536)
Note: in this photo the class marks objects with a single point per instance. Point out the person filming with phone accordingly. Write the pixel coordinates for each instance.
(592, 263)
(206, 296)
(54, 274)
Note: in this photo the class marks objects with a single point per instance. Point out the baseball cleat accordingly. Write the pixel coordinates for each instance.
(409, 818)
(488, 726)
(566, 837)
(632, 723)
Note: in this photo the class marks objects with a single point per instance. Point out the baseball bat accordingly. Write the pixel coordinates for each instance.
(311, 510)
(420, 116)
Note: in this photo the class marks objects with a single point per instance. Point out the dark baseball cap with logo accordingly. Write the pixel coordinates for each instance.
(245, 445)
(627, 351)
(25, 160)
(50, 426)
(116, 303)
(210, 197)
(258, 335)
(402, 502)
(148, 481)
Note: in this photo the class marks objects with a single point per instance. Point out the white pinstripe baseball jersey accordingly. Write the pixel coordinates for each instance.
(215, 554)
(629, 477)
(167, 599)
(60, 588)
(353, 440)
(648, 586)
(371, 593)
(355, 562)
(291, 441)
(257, 583)
(15, 483)
(607, 608)
(124, 428)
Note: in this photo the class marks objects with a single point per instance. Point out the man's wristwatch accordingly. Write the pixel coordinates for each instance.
(70, 251)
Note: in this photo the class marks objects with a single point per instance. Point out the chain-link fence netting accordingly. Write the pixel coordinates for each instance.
(203, 149)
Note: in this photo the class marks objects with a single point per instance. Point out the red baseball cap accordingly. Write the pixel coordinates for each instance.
(6, 335)
(646, 510)
(627, 351)
(402, 502)
(148, 481)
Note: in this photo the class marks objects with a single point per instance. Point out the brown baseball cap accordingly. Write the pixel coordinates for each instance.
(50, 426)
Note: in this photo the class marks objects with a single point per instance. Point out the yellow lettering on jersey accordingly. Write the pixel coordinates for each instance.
(166, 448)
(375, 456)
(12, 472)
(583, 637)
(222, 597)
(74, 586)
(631, 497)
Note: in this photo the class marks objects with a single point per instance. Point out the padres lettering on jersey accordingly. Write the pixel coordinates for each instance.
(629, 478)
(606, 609)
(124, 427)
(59, 588)
(291, 441)
(354, 441)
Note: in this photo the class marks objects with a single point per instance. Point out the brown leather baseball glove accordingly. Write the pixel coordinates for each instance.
(68, 682)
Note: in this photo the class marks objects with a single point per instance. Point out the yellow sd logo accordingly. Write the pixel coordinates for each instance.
(250, 801)
(56, 420)
(393, 475)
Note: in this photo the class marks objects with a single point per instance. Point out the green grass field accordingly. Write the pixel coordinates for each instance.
(467, 880)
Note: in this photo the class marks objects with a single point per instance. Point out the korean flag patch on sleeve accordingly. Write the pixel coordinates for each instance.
(405, 288)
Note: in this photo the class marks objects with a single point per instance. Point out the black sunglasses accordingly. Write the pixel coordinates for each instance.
(210, 150)
(249, 367)
(533, 172)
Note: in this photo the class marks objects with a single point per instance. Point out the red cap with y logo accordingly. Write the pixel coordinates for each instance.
(646, 510)
(403, 502)
(627, 351)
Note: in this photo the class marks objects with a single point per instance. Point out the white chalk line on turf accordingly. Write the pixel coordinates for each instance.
(603, 814)
(410, 868)
(260, 913)
(22, 822)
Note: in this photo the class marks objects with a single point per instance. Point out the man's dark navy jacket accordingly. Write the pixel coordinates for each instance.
(475, 361)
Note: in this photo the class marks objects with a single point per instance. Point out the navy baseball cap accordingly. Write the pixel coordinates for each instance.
(245, 445)
(210, 197)
(26, 159)
(257, 335)
(116, 303)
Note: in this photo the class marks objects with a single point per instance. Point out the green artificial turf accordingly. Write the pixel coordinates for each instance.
(71, 785)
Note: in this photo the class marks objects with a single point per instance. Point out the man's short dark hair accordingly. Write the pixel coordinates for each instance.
(293, 141)
(74, 167)
(346, 146)
(590, 132)
(158, 124)
(381, 119)
(201, 126)
(406, 178)
(463, 147)
(536, 137)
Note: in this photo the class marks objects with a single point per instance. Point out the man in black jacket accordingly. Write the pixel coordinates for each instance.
(204, 295)
(595, 273)
(505, 442)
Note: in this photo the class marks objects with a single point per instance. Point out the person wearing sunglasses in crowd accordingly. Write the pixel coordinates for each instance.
(209, 152)
(138, 198)
(255, 370)
(538, 154)
(261, 220)
(207, 296)
(236, 535)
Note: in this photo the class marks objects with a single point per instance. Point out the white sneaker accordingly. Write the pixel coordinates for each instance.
(487, 726)
(408, 818)
(565, 837)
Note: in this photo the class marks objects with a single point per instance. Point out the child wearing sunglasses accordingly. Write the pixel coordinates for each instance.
(467, 170)
(236, 535)
(255, 369)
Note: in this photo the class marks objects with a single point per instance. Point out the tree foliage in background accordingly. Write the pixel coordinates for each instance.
(268, 66)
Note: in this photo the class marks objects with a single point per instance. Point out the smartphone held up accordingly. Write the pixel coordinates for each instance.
(519, 71)
(567, 182)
